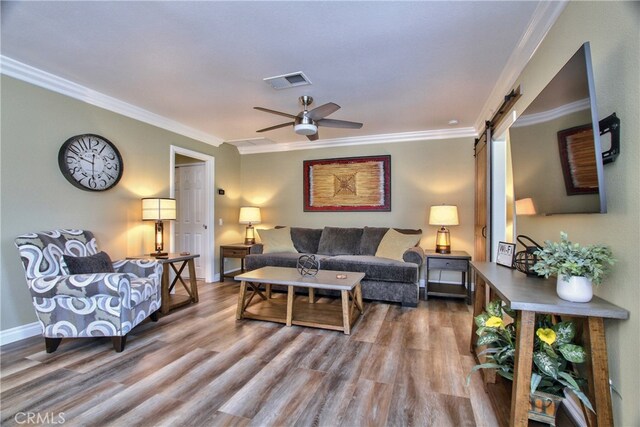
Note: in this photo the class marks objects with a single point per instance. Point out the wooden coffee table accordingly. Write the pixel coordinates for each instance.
(296, 311)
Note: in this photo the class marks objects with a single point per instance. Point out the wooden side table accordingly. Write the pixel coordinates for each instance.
(178, 263)
(234, 250)
(455, 261)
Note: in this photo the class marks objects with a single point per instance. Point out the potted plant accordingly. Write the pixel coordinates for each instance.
(576, 267)
(553, 358)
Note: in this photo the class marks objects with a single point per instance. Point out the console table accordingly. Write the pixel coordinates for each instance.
(529, 296)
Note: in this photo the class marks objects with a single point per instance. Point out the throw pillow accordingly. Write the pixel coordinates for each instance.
(306, 240)
(276, 240)
(339, 241)
(394, 244)
(98, 263)
(372, 236)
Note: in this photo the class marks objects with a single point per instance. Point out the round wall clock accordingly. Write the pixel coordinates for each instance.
(90, 162)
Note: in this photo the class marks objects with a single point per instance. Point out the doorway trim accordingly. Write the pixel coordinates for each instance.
(209, 243)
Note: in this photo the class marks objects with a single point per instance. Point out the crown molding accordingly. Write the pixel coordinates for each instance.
(545, 116)
(545, 15)
(467, 132)
(35, 76)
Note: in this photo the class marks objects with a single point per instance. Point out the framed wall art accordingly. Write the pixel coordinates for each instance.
(348, 184)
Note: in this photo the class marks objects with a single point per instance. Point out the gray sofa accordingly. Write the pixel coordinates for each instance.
(353, 249)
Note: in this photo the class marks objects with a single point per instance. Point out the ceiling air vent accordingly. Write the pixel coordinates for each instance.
(286, 81)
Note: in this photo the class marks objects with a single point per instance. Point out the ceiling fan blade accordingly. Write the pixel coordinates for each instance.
(281, 125)
(339, 124)
(280, 113)
(323, 111)
(313, 137)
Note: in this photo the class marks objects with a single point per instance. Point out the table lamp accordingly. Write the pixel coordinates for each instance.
(525, 207)
(250, 215)
(158, 209)
(443, 215)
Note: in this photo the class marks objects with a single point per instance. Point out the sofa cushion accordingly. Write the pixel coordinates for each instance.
(394, 244)
(255, 261)
(374, 268)
(340, 241)
(372, 236)
(276, 240)
(98, 263)
(306, 240)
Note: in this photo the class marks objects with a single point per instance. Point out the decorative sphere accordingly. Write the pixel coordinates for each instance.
(307, 265)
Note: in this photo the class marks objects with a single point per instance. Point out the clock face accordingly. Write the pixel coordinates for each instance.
(90, 162)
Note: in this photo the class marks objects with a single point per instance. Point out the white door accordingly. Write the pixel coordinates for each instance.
(190, 223)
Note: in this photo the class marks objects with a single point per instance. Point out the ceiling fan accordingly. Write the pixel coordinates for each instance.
(307, 122)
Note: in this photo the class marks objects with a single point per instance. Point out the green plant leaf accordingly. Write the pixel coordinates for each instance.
(482, 366)
(535, 381)
(495, 308)
(573, 353)
(546, 364)
(481, 319)
(565, 332)
(488, 338)
(569, 382)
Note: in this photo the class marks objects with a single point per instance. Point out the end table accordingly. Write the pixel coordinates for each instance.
(455, 261)
(178, 263)
(234, 250)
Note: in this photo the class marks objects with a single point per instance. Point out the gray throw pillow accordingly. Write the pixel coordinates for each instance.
(340, 241)
(98, 263)
(306, 240)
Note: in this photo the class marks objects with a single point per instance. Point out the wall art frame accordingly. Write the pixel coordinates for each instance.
(355, 184)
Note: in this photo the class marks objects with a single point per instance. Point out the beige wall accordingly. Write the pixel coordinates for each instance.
(423, 173)
(35, 196)
(614, 33)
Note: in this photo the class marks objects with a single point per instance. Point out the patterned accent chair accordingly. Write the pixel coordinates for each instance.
(86, 305)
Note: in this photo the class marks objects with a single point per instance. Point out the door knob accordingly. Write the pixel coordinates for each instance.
(484, 231)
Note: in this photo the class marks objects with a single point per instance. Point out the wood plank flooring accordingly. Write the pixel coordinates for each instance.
(199, 366)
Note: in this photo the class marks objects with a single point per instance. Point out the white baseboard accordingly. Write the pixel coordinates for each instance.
(20, 332)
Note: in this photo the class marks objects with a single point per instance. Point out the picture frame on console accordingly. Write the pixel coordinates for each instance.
(506, 252)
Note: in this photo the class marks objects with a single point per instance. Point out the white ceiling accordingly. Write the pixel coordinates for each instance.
(398, 67)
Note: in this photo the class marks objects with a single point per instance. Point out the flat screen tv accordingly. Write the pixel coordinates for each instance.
(555, 144)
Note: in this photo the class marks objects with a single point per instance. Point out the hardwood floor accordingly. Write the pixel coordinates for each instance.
(199, 366)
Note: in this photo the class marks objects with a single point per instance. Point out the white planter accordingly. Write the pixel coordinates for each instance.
(576, 289)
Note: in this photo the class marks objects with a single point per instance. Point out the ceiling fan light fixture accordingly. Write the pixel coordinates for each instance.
(305, 129)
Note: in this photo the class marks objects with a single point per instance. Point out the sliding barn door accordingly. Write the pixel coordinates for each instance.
(482, 200)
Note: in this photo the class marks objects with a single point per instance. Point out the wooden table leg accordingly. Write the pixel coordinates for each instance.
(598, 372)
(359, 298)
(290, 296)
(346, 318)
(521, 387)
(312, 295)
(478, 307)
(241, 296)
(193, 281)
(164, 306)
(267, 290)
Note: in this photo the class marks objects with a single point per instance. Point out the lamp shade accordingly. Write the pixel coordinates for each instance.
(525, 207)
(158, 209)
(250, 215)
(443, 215)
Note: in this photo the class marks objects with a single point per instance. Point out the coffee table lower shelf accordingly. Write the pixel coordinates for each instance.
(314, 315)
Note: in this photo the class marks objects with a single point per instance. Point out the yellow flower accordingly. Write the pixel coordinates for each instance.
(547, 335)
(494, 322)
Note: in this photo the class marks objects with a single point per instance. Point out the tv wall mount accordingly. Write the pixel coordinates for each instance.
(611, 124)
